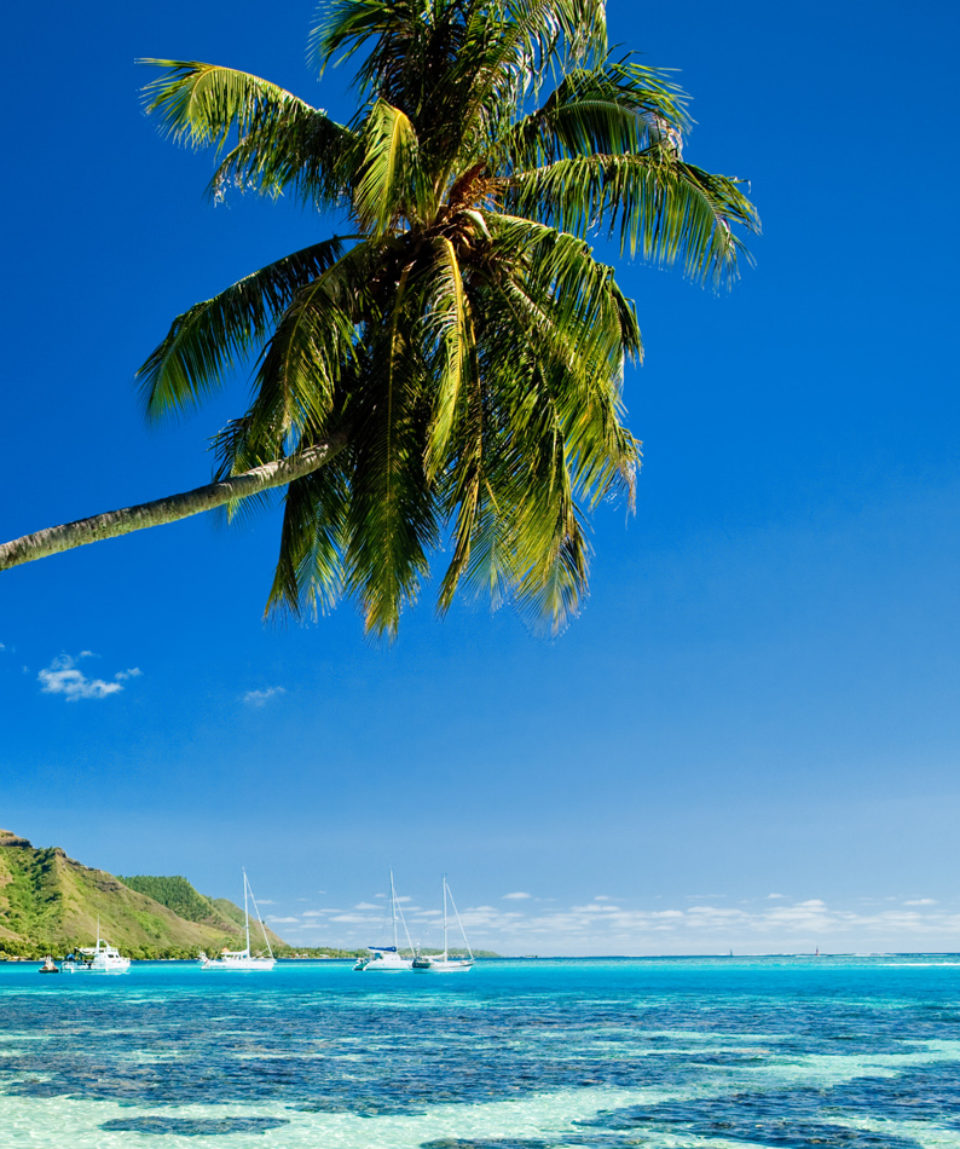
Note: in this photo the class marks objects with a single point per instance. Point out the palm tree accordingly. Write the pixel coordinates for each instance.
(451, 367)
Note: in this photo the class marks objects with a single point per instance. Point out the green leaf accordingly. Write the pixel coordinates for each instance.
(209, 339)
(390, 185)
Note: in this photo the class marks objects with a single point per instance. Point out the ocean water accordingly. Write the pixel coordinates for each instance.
(764, 1053)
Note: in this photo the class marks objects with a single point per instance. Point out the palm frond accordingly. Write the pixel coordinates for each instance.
(210, 338)
(346, 25)
(390, 184)
(304, 151)
(528, 36)
(299, 377)
(198, 104)
(449, 326)
(664, 208)
(392, 519)
(309, 573)
(614, 108)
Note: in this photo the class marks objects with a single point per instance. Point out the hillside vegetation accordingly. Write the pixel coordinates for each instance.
(177, 894)
(50, 903)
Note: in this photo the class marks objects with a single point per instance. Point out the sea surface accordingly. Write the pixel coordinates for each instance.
(782, 1053)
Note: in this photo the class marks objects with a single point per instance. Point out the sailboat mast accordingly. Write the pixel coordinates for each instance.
(393, 909)
(444, 917)
(246, 914)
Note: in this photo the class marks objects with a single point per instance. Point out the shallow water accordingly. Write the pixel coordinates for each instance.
(857, 1053)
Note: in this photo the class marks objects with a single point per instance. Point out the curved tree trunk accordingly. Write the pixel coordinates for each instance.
(110, 524)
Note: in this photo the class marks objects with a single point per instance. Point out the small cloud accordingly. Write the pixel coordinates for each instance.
(602, 898)
(281, 921)
(258, 698)
(62, 676)
(366, 906)
(773, 897)
(266, 902)
(517, 896)
(921, 902)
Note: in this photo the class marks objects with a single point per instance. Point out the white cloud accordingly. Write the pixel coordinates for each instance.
(773, 897)
(519, 896)
(258, 698)
(711, 926)
(62, 676)
(281, 921)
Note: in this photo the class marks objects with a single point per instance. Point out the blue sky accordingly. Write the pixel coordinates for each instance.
(760, 697)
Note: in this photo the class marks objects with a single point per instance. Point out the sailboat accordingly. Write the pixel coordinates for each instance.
(243, 959)
(101, 958)
(387, 959)
(444, 963)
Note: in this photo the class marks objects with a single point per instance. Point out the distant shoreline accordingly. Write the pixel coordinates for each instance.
(326, 959)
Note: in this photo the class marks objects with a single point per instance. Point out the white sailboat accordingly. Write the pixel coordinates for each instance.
(387, 959)
(444, 963)
(242, 959)
(101, 958)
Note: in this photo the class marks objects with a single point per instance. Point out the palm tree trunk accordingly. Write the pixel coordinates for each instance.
(110, 524)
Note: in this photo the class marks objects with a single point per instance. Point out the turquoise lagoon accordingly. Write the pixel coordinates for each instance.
(760, 1053)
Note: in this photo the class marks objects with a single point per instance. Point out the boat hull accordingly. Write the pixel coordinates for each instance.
(443, 967)
(378, 965)
(238, 964)
(121, 966)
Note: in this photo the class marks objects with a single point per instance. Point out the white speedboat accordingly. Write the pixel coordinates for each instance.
(101, 958)
(388, 959)
(444, 963)
(243, 960)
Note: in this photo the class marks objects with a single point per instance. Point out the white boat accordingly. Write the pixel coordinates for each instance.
(444, 963)
(243, 960)
(101, 958)
(388, 959)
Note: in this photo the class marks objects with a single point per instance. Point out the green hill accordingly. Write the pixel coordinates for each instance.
(175, 893)
(178, 895)
(50, 903)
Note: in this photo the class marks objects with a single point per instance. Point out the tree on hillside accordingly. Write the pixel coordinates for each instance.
(449, 370)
